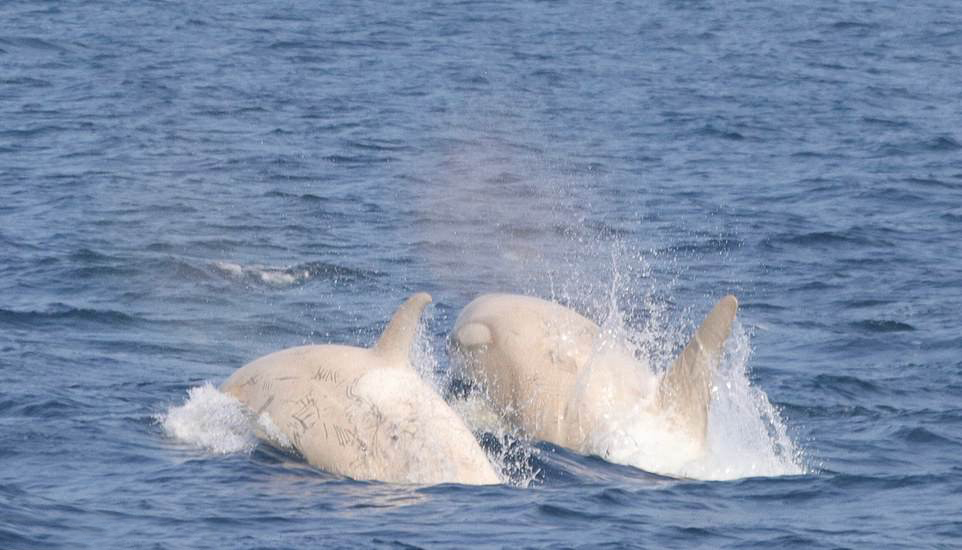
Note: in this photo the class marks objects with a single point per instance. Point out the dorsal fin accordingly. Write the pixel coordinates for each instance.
(395, 342)
(685, 389)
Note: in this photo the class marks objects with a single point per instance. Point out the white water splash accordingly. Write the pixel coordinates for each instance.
(273, 276)
(425, 360)
(641, 335)
(210, 420)
(266, 429)
(510, 453)
(501, 219)
(746, 435)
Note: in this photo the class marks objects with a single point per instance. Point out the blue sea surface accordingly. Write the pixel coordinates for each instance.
(185, 186)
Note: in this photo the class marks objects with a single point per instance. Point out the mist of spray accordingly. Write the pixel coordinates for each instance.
(494, 223)
(746, 435)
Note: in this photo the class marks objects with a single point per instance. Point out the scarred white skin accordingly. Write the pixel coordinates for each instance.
(550, 372)
(363, 413)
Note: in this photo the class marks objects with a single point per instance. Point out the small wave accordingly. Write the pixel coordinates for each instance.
(715, 132)
(944, 143)
(290, 276)
(708, 246)
(306, 197)
(919, 435)
(290, 45)
(937, 144)
(889, 123)
(210, 420)
(853, 25)
(32, 43)
(850, 482)
(809, 286)
(12, 538)
(955, 216)
(849, 237)
(88, 256)
(873, 325)
(949, 38)
(378, 145)
(30, 133)
(819, 237)
(930, 182)
(807, 410)
(25, 81)
(846, 386)
(808, 154)
(359, 159)
(61, 312)
(866, 303)
(46, 408)
(263, 274)
(761, 306)
(556, 511)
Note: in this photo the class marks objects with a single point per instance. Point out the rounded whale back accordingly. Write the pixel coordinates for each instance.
(362, 413)
(547, 369)
(527, 354)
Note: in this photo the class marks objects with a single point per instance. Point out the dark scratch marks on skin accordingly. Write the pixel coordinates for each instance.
(360, 444)
(265, 405)
(344, 437)
(350, 393)
(355, 408)
(325, 375)
(378, 422)
(307, 413)
(347, 437)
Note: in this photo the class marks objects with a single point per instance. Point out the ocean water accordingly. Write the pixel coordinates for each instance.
(185, 186)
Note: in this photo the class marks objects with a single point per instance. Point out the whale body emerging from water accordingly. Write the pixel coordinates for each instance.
(552, 373)
(362, 413)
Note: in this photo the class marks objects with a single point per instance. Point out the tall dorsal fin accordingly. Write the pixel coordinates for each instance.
(395, 342)
(685, 389)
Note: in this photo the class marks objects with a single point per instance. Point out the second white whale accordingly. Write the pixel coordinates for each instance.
(549, 371)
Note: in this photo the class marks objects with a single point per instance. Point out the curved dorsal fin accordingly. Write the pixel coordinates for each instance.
(395, 342)
(685, 389)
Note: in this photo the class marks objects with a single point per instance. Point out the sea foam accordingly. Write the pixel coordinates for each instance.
(212, 421)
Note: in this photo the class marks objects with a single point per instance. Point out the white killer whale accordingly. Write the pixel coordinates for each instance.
(549, 371)
(362, 413)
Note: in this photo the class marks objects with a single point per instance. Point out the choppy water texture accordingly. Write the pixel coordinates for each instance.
(185, 186)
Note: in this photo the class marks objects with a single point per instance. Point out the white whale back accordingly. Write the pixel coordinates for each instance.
(548, 369)
(527, 353)
(362, 413)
